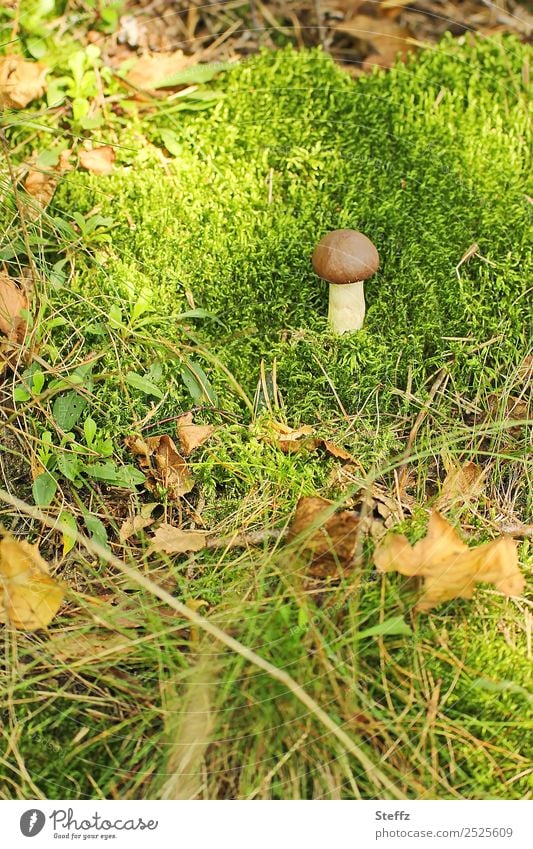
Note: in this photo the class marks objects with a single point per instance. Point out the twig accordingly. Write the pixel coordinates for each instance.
(245, 540)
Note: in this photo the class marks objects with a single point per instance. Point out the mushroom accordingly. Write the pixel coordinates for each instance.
(345, 258)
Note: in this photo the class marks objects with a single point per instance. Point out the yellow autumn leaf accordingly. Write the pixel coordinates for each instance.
(29, 597)
(450, 568)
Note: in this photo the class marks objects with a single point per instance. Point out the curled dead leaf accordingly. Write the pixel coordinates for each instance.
(450, 568)
(12, 302)
(29, 597)
(331, 540)
(20, 82)
(164, 466)
(191, 435)
(98, 160)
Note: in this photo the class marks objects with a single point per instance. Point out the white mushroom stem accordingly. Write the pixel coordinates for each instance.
(346, 306)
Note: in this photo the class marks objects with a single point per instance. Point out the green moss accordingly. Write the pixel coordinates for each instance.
(426, 159)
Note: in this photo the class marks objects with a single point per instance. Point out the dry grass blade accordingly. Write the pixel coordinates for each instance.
(188, 728)
(373, 771)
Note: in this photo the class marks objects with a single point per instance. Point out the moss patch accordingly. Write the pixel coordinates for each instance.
(426, 160)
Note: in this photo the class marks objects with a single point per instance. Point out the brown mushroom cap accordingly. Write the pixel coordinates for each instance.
(345, 256)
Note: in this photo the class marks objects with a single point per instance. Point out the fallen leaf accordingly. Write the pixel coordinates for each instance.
(132, 526)
(98, 160)
(338, 452)
(333, 543)
(87, 646)
(154, 68)
(290, 440)
(191, 435)
(388, 38)
(173, 540)
(41, 183)
(449, 567)
(29, 597)
(511, 408)
(165, 467)
(462, 483)
(20, 82)
(12, 302)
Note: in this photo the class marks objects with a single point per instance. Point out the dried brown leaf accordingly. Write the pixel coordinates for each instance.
(389, 38)
(191, 435)
(29, 597)
(12, 302)
(98, 160)
(173, 540)
(291, 441)
(331, 542)
(338, 452)
(449, 567)
(132, 526)
(20, 82)
(164, 466)
(41, 184)
(462, 483)
(154, 68)
(86, 646)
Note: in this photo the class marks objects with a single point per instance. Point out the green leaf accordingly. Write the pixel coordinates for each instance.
(36, 47)
(115, 317)
(92, 122)
(67, 410)
(198, 313)
(390, 627)
(21, 394)
(197, 382)
(80, 108)
(192, 76)
(89, 430)
(68, 466)
(48, 158)
(68, 537)
(171, 141)
(44, 488)
(38, 382)
(96, 529)
(141, 383)
(125, 476)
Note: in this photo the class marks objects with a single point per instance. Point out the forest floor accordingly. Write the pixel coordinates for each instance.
(212, 476)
